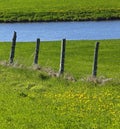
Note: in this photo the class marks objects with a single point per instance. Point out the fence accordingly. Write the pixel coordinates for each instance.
(90, 59)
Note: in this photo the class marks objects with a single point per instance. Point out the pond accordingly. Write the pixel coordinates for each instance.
(49, 31)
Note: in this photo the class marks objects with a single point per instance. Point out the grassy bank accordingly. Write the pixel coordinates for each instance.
(31, 99)
(63, 10)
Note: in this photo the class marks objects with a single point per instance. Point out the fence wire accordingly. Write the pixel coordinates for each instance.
(78, 56)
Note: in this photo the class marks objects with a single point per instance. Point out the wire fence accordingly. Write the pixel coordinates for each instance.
(79, 56)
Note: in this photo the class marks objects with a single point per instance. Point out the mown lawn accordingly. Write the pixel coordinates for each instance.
(32, 99)
(54, 10)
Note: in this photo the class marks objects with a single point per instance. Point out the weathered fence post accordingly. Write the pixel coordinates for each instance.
(37, 51)
(12, 53)
(94, 71)
(62, 57)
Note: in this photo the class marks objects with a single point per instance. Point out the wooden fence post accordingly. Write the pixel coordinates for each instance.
(12, 53)
(95, 63)
(37, 51)
(62, 57)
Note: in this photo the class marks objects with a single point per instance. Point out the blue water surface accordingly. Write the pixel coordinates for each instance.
(49, 31)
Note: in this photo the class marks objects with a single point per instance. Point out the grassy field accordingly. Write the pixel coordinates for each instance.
(54, 10)
(32, 99)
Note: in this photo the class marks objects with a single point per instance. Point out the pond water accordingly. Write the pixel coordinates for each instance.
(48, 31)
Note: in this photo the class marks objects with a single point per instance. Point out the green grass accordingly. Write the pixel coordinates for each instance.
(31, 99)
(54, 10)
